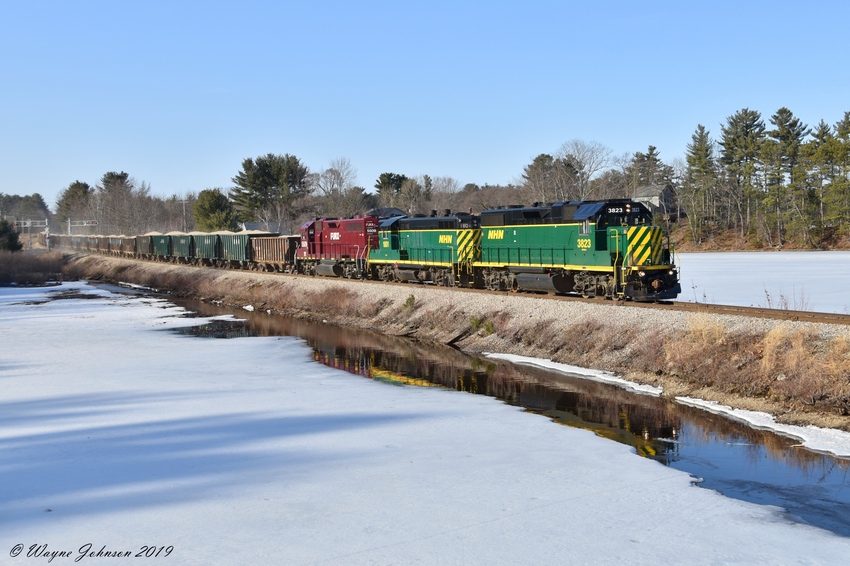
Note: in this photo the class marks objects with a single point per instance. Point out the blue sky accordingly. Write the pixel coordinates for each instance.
(177, 94)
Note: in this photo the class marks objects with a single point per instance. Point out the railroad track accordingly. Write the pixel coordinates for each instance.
(761, 312)
(708, 308)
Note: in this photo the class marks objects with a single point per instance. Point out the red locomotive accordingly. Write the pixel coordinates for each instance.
(337, 247)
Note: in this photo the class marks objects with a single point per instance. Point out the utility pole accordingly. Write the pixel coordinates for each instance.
(184, 214)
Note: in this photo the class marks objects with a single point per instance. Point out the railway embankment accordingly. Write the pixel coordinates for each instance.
(797, 371)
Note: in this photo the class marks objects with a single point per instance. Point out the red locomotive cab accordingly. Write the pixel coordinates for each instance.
(307, 249)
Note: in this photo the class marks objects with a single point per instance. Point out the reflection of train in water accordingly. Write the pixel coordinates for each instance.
(604, 409)
(607, 410)
(592, 248)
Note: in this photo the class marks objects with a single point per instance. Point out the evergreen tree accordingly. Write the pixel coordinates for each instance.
(698, 188)
(9, 237)
(539, 178)
(837, 195)
(786, 196)
(741, 141)
(647, 169)
(268, 187)
(74, 201)
(389, 185)
(819, 163)
(213, 211)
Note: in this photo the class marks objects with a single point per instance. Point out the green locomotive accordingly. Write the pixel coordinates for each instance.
(592, 248)
(438, 249)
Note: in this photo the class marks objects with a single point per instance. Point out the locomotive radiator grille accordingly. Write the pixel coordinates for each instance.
(645, 245)
(467, 241)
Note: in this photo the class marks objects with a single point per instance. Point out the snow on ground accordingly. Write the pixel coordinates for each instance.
(585, 373)
(808, 281)
(245, 451)
(823, 440)
(818, 439)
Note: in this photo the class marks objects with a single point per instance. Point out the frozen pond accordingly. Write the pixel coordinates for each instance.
(726, 455)
(116, 434)
(810, 281)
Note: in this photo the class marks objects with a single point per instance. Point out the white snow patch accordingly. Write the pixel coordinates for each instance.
(584, 373)
(797, 280)
(824, 440)
(134, 286)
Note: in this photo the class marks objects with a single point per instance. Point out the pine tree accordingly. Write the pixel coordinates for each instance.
(787, 196)
(213, 211)
(268, 187)
(741, 141)
(697, 191)
(9, 237)
(389, 185)
(74, 201)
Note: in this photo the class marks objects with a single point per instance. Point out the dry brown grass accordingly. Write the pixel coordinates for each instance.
(805, 370)
(25, 268)
(337, 300)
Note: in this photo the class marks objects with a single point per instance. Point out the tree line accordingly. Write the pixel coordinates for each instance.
(122, 205)
(771, 185)
(767, 182)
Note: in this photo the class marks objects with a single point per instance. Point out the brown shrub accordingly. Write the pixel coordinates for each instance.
(807, 371)
(504, 325)
(30, 268)
(371, 310)
(648, 349)
(279, 297)
(707, 355)
(774, 344)
(333, 300)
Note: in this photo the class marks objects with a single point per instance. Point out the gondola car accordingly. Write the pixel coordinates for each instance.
(236, 248)
(275, 253)
(182, 247)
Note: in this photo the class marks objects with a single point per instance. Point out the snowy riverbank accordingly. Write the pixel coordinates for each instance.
(824, 440)
(656, 347)
(177, 441)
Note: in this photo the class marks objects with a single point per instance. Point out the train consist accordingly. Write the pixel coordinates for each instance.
(605, 249)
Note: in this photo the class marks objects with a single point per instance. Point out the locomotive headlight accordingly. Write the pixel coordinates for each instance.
(642, 273)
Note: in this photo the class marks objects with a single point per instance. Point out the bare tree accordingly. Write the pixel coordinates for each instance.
(445, 194)
(338, 186)
(581, 162)
(414, 194)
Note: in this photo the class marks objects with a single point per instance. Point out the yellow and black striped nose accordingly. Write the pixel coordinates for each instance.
(645, 245)
(467, 241)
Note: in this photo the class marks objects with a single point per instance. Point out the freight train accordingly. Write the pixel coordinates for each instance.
(604, 248)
